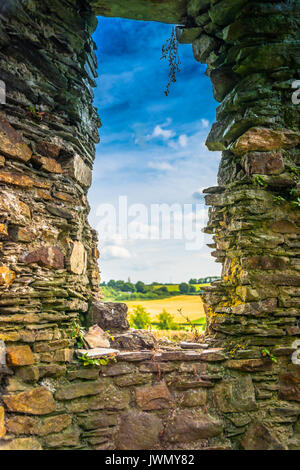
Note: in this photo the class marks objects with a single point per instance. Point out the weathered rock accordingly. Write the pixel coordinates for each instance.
(7, 276)
(37, 401)
(96, 338)
(134, 340)
(188, 426)
(250, 365)
(2, 353)
(259, 437)
(48, 149)
(109, 316)
(187, 35)
(2, 423)
(50, 257)
(16, 179)
(78, 389)
(138, 431)
(49, 165)
(203, 46)
(155, 397)
(11, 143)
(16, 211)
(263, 163)
(19, 356)
(97, 353)
(32, 426)
(227, 395)
(96, 420)
(195, 398)
(77, 169)
(263, 139)
(78, 259)
(27, 443)
(290, 385)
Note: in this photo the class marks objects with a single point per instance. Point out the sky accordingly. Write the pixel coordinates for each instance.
(152, 152)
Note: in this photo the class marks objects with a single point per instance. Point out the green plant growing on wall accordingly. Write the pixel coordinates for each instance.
(78, 334)
(170, 53)
(260, 181)
(35, 114)
(296, 202)
(88, 361)
(279, 200)
(267, 353)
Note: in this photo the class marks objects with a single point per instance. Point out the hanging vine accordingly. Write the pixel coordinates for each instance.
(171, 54)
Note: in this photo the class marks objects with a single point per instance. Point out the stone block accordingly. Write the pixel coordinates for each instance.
(38, 401)
(11, 142)
(48, 256)
(235, 395)
(48, 149)
(96, 338)
(77, 169)
(16, 211)
(264, 139)
(263, 163)
(78, 389)
(139, 431)
(2, 423)
(50, 165)
(290, 385)
(19, 356)
(250, 365)
(26, 443)
(259, 437)
(154, 397)
(109, 316)
(194, 398)
(78, 258)
(7, 276)
(134, 340)
(188, 426)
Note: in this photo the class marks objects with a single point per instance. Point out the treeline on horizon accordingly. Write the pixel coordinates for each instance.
(126, 290)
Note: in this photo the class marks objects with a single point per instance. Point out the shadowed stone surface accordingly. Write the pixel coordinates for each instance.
(167, 11)
(138, 431)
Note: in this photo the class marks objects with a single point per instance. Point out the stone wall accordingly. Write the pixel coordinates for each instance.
(242, 390)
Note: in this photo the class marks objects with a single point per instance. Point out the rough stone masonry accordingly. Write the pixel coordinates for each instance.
(241, 390)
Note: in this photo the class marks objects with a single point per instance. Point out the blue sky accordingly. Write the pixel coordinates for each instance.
(152, 149)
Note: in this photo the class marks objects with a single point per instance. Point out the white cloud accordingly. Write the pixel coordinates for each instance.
(114, 251)
(183, 140)
(166, 134)
(161, 166)
(205, 123)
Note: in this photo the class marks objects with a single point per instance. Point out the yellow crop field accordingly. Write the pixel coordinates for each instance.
(191, 306)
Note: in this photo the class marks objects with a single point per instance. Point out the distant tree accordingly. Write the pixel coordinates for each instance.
(193, 281)
(184, 288)
(141, 287)
(111, 283)
(129, 287)
(140, 319)
(166, 321)
(162, 290)
(192, 289)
